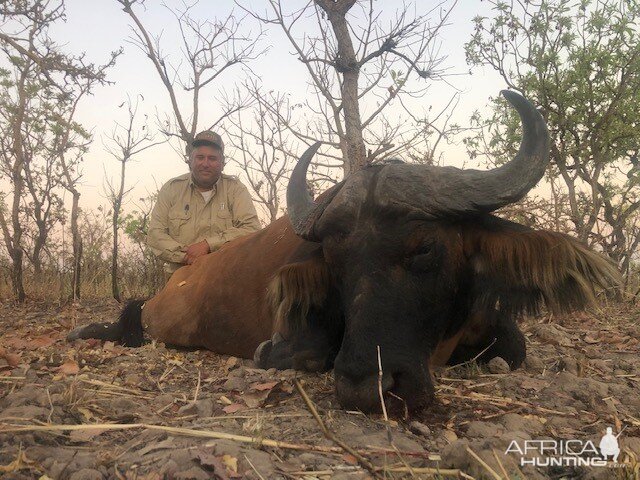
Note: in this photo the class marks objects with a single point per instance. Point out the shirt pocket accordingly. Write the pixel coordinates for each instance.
(224, 219)
(177, 224)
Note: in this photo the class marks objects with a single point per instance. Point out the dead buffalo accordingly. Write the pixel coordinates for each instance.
(404, 259)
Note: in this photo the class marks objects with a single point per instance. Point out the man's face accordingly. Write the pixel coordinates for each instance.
(206, 166)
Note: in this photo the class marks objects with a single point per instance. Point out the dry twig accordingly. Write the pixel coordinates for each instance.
(484, 464)
(331, 436)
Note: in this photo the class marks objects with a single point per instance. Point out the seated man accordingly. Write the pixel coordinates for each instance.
(196, 213)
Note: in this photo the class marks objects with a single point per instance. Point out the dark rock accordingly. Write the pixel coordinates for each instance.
(235, 383)
(420, 428)
(498, 365)
(483, 429)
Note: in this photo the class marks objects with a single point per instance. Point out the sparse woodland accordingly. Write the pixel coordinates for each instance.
(92, 409)
(579, 64)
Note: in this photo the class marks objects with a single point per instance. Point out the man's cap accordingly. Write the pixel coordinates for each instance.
(208, 138)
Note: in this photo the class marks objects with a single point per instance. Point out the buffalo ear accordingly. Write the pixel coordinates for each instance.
(299, 285)
(519, 269)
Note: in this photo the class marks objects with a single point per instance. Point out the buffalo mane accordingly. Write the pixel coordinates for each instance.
(519, 270)
(296, 288)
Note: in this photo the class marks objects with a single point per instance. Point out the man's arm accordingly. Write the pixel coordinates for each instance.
(245, 219)
(158, 239)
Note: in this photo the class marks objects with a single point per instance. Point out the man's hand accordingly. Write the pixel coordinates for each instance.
(196, 250)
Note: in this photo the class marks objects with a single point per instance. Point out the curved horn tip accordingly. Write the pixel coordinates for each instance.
(310, 152)
(509, 94)
(516, 99)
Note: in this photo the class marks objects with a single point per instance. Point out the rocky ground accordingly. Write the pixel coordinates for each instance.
(93, 410)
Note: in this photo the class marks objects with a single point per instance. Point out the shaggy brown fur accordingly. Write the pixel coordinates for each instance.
(294, 289)
(527, 267)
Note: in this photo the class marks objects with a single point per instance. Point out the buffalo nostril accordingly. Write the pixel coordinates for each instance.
(388, 382)
(415, 391)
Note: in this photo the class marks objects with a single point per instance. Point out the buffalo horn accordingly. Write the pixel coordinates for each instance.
(511, 181)
(438, 192)
(300, 205)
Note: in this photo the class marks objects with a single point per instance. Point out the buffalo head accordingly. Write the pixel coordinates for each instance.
(405, 267)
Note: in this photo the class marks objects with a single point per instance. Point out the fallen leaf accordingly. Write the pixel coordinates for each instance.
(70, 367)
(255, 399)
(350, 459)
(233, 408)
(230, 462)
(264, 386)
(618, 423)
(13, 360)
(41, 342)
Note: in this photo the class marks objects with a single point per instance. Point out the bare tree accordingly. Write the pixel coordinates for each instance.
(360, 72)
(265, 151)
(209, 49)
(35, 62)
(125, 142)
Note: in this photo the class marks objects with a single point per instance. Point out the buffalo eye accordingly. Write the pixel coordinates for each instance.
(333, 246)
(425, 258)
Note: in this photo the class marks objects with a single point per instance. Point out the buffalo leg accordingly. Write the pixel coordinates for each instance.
(127, 330)
(110, 331)
(500, 336)
(312, 348)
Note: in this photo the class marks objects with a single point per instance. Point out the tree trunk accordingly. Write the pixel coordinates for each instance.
(16, 276)
(18, 188)
(352, 144)
(40, 240)
(115, 290)
(77, 247)
(117, 204)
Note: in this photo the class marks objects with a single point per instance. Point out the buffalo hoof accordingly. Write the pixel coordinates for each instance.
(262, 353)
(75, 334)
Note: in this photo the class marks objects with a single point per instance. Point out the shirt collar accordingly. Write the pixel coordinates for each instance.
(215, 185)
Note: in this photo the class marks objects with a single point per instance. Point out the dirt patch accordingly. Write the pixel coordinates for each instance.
(94, 410)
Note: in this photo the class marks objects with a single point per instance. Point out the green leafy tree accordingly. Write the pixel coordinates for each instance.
(38, 81)
(580, 62)
(150, 268)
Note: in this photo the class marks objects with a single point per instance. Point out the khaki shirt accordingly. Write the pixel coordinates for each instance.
(181, 217)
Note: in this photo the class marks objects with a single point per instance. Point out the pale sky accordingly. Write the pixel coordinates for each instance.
(99, 26)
